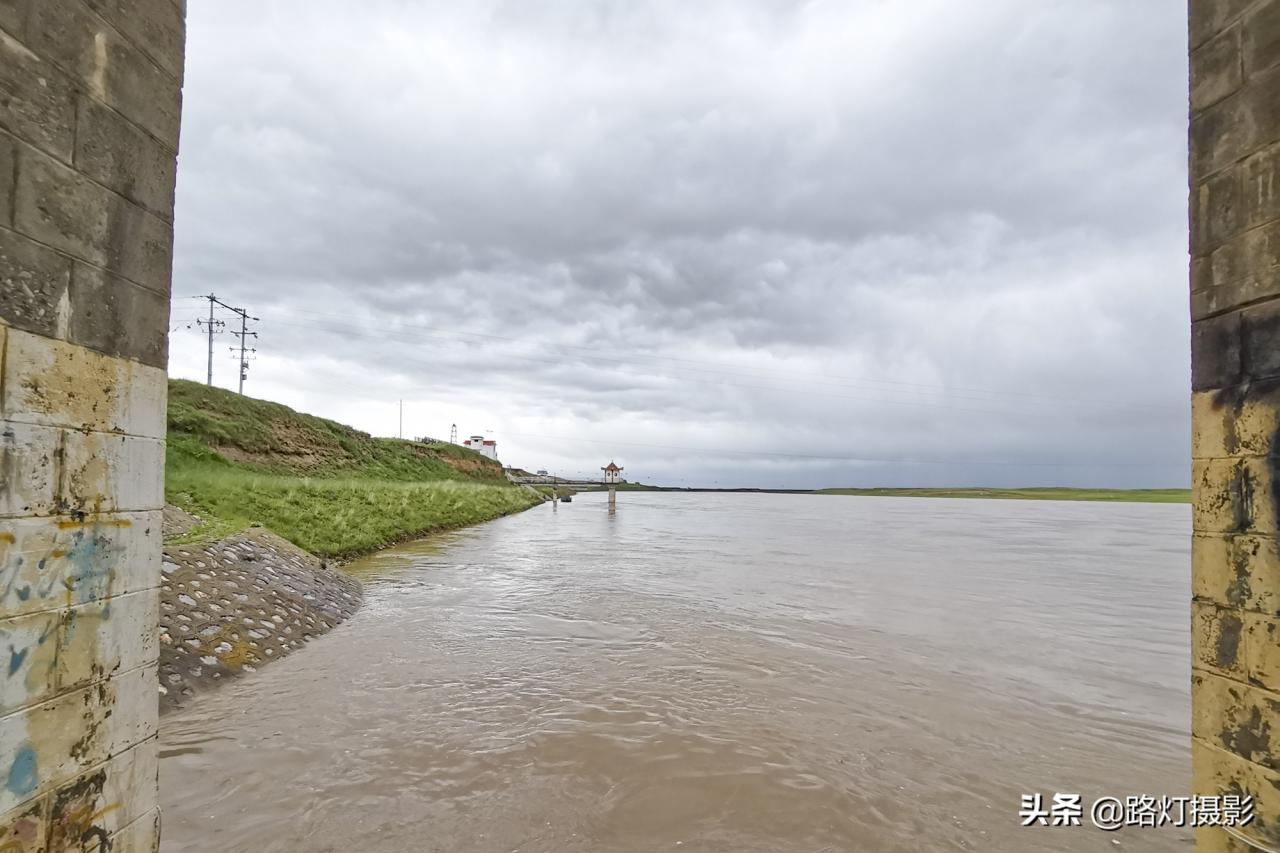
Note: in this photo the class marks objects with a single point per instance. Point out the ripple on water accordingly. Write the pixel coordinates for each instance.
(728, 673)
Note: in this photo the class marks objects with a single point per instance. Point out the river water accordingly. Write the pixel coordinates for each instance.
(716, 673)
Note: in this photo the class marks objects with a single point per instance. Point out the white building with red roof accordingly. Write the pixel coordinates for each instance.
(612, 474)
(480, 444)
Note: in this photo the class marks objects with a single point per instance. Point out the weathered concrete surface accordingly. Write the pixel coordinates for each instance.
(1235, 282)
(89, 95)
(231, 606)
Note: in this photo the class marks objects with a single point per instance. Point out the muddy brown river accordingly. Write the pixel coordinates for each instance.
(717, 673)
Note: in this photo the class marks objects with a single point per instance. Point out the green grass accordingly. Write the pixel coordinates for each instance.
(339, 518)
(272, 438)
(1030, 494)
(333, 490)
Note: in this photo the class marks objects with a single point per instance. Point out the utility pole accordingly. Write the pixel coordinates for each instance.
(212, 326)
(402, 418)
(243, 335)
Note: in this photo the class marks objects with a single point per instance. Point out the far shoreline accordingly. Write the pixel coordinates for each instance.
(1035, 493)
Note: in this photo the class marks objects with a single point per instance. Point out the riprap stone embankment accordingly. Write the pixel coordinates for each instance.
(233, 605)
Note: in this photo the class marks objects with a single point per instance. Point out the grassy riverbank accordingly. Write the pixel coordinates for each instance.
(1030, 494)
(333, 490)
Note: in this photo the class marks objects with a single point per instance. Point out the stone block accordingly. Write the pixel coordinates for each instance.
(1262, 186)
(108, 66)
(1263, 108)
(58, 563)
(141, 247)
(1217, 640)
(1216, 771)
(157, 27)
(1261, 45)
(1237, 571)
(1242, 271)
(117, 317)
(1233, 496)
(1236, 717)
(8, 160)
(1235, 127)
(1259, 263)
(1214, 280)
(105, 800)
(33, 285)
(1262, 649)
(135, 716)
(104, 638)
(59, 207)
(1260, 327)
(141, 836)
(1216, 68)
(24, 830)
(1218, 213)
(1235, 424)
(1215, 353)
(61, 384)
(1220, 136)
(1210, 17)
(28, 659)
(107, 473)
(30, 458)
(130, 161)
(37, 103)
(47, 745)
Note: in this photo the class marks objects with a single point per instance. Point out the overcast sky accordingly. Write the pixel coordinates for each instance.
(744, 242)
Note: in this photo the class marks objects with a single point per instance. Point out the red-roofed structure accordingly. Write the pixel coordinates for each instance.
(480, 444)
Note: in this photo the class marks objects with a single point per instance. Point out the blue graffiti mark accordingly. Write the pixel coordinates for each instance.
(24, 773)
(92, 558)
(86, 567)
(16, 659)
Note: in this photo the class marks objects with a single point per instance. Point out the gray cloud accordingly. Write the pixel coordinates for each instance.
(947, 237)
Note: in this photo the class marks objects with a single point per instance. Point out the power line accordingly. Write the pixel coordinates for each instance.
(215, 326)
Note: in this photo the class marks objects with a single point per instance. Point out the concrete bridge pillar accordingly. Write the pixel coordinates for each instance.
(1235, 311)
(90, 94)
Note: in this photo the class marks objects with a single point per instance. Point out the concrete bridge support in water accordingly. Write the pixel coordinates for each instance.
(90, 94)
(1235, 310)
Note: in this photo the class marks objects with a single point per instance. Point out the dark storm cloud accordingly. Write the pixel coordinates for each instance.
(919, 231)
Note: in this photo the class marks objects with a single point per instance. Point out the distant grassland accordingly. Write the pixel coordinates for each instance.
(328, 488)
(1031, 494)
